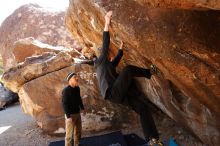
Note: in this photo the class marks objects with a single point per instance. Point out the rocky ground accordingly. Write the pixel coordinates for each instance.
(25, 132)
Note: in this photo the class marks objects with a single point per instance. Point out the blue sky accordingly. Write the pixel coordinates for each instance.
(7, 7)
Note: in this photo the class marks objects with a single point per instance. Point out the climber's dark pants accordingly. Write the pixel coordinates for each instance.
(122, 90)
(147, 121)
(123, 82)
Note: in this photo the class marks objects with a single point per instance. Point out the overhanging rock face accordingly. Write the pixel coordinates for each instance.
(184, 44)
(182, 4)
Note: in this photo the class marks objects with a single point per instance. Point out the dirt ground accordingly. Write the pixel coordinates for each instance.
(25, 132)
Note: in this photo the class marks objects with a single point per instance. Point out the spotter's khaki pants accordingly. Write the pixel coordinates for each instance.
(73, 130)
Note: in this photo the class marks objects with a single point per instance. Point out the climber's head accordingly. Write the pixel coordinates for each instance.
(97, 54)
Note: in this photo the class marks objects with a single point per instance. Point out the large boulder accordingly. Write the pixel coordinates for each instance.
(25, 52)
(28, 47)
(34, 67)
(39, 81)
(44, 25)
(182, 4)
(184, 44)
(44, 103)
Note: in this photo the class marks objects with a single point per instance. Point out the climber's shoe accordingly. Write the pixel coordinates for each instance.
(153, 69)
(154, 142)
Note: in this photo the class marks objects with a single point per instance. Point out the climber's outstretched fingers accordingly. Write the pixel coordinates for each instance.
(107, 20)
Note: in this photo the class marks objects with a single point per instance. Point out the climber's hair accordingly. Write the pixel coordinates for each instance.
(98, 52)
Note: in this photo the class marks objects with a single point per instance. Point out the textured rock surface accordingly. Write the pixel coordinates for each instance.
(44, 103)
(182, 4)
(29, 47)
(184, 44)
(30, 20)
(34, 67)
(39, 81)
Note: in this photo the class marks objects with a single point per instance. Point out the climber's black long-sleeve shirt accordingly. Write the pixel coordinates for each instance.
(106, 69)
(71, 100)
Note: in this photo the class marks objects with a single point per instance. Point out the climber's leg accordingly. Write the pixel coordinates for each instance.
(121, 85)
(147, 121)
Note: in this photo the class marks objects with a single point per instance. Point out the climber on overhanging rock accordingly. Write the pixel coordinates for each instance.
(115, 87)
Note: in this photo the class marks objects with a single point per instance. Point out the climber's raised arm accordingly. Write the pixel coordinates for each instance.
(89, 62)
(119, 55)
(106, 37)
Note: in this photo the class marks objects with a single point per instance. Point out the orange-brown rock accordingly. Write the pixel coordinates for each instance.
(44, 103)
(34, 67)
(39, 81)
(184, 44)
(44, 25)
(29, 47)
(182, 4)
